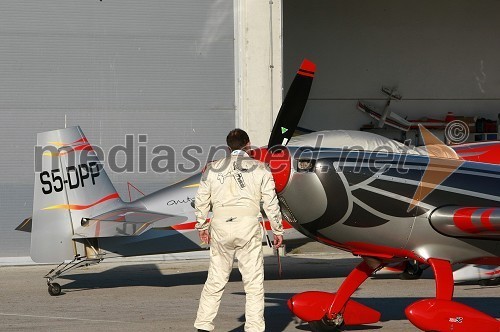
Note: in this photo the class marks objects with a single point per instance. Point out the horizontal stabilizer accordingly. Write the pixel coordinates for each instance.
(121, 222)
(25, 226)
(391, 93)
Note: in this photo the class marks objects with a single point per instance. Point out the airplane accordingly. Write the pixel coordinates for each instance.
(356, 191)
(485, 275)
(79, 219)
(392, 119)
(387, 202)
(386, 116)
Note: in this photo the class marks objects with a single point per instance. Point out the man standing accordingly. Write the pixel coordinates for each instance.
(234, 187)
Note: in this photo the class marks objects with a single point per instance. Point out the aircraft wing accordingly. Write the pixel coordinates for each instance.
(472, 222)
(122, 222)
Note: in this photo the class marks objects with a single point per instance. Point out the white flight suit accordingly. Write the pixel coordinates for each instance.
(235, 186)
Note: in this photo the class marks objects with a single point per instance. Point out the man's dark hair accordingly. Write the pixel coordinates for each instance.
(237, 139)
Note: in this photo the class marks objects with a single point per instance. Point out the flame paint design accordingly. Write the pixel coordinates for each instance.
(82, 207)
(443, 161)
(78, 145)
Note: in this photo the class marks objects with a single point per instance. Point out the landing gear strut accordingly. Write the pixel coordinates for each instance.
(54, 288)
(442, 313)
(331, 311)
(412, 271)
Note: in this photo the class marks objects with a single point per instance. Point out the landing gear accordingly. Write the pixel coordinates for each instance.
(331, 311)
(54, 289)
(489, 282)
(442, 313)
(327, 325)
(322, 326)
(413, 271)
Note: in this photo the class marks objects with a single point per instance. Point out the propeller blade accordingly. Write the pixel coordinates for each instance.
(293, 106)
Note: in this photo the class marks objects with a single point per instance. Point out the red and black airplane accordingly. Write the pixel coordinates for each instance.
(386, 202)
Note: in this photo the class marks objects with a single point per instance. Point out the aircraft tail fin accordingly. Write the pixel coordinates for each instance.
(70, 185)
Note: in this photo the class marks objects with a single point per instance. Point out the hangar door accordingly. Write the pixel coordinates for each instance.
(161, 71)
(441, 55)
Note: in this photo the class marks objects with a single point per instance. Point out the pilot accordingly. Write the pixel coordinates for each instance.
(234, 187)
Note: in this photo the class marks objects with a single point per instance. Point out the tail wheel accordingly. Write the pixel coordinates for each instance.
(54, 289)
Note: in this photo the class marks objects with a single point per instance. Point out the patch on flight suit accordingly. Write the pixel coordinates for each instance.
(221, 177)
(239, 179)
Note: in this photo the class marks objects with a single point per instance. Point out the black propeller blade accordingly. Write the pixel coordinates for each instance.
(293, 106)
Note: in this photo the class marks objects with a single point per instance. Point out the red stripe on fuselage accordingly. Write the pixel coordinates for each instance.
(485, 220)
(463, 220)
(488, 153)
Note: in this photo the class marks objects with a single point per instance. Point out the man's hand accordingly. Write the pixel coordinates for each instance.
(204, 236)
(278, 241)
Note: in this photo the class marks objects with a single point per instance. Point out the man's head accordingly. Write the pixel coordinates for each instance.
(237, 139)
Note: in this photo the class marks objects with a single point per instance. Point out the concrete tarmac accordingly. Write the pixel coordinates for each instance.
(163, 296)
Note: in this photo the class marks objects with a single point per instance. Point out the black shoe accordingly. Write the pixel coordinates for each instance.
(202, 330)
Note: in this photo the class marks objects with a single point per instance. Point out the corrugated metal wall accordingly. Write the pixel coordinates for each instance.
(161, 68)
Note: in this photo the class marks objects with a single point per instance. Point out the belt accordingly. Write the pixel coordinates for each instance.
(233, 211)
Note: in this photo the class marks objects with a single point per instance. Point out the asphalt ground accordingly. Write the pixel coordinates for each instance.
(163, 295)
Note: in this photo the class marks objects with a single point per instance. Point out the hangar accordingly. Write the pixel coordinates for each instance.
(181, 73)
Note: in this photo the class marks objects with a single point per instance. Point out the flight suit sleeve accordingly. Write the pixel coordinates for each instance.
(270, 199)
(202, 201)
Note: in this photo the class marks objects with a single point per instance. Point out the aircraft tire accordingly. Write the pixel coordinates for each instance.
(489, 282)
(412, 272)
(322, 326)
(54, 289)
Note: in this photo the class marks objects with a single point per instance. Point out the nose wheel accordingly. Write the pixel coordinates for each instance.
(54, 289)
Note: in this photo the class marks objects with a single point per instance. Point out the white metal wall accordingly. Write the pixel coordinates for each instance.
(442, 55)
(161, 68)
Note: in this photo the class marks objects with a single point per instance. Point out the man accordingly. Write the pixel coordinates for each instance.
(234, 187)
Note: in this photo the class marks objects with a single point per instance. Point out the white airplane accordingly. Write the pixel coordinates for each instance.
(79, 218)
(484, 274)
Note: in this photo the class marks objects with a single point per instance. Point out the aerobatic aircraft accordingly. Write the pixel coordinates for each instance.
(483, 274)
(387, 202)
(79, 219)
(359, 192)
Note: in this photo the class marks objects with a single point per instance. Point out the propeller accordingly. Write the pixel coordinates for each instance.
(293, 105)
(288, 118)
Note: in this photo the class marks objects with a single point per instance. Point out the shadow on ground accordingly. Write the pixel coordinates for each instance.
(151, 275)
(278, 317)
